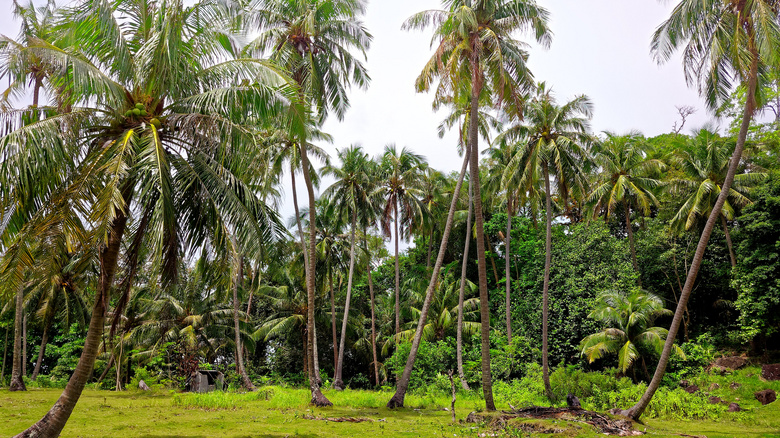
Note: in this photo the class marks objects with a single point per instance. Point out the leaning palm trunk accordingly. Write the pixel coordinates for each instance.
(546, 287)
(42, 350)
(397, 400)
(397, 276)
(728, 242)
(337, 382)
(636, 411)
(239, 351)
(17, 383)
(373, 313)
(508, 279)
(484, 306)
(5, 353)
(317, 398)
(53, 422)
(464, 265)
(108, 368)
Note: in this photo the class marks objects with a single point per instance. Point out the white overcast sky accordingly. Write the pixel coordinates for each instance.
(600, 48)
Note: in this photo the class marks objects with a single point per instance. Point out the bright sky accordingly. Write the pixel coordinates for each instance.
(600, 48)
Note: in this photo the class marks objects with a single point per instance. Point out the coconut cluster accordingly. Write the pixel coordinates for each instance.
(139, 111)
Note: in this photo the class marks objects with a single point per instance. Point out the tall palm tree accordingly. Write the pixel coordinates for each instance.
(552, 141)
(623, 178)
(159, 129)
(460, 109)
(401, 179)
(506, 191)
(723, 40)
(312, 40)
(475, 44)
(23, 68)
(704, 160)
(352, 193)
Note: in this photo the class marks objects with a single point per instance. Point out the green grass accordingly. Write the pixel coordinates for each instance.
(281, 412)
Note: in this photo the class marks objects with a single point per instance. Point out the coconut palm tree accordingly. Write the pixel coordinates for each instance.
(623, 178)
(24, 69)
(158, 126)
(552, 141)
(723, 41)
(401, 180)
(704, 160)
(403, 383)
(21, 67)
(352, 193)
(475, 44)
(629, 332)
(459, 115)
(499, 157)
(312, 40)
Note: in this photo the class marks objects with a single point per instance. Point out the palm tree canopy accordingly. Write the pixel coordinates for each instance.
(704, 161)
(312, 39)
(623, 176)
(478, 33)
(552, 136)
(721, 39)
(629, 319)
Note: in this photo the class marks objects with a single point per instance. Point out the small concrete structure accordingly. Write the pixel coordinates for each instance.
(206, 381)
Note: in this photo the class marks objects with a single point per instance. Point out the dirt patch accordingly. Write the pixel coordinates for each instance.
(601, 422)
(771, 371)
(537, 428)
(341, 419)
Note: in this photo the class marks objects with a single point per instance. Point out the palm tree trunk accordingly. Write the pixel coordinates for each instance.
(337, 382)
(17, 383)
(397, 275)
(53, 422)
(402, 386)
(317, 398)
(373, 313)
(463, 267)
(728, 242)
(430, 245)
(750, 105)
(24, 346)
(484, 309)
(333, 317)
(239, 351)
(5, 353)
(546, 287)
(42, 350)
(316, 357)
(492, 259)
(508, 274)
(631, 244)
(298, 218)
(108, 368)
(119, 363)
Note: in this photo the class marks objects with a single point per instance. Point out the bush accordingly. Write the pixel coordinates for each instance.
(698, 355)
(433, 358)
(572, 379)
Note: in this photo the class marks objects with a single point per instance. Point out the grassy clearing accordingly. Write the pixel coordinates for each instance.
(284, 412)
